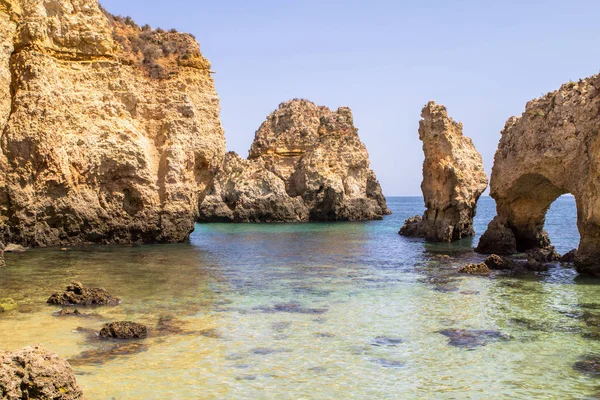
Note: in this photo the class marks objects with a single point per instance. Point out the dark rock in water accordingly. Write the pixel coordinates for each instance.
(589, 364)
(326, 335)
(168, 325)
(318, 370)
(73, 313)
(387, 341)
(105, 354)
(280, 326)
(77, 295)
(35, 373)
(292, 307)
(569, 257)
(469, 292)
(475, 269)
(591, 319)
(472, 338)
(535, 266)
(384, 362)
(495, 262)
(246, 378)
(123, 330)
(266, 351)
(543, 255)
(210, 333)
(533, 325)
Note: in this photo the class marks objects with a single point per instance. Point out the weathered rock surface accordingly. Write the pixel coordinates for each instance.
(495, 262)
(123, 330)
(35, 373)
(110, 132)
(77, 295)
(306, 163)
(475, 269)
(551, 150)
(453, 179)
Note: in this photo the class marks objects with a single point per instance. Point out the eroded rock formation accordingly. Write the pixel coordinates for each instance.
(453, 179)
(551, 150)
(35, 373)
(110, 132)
(306, 163)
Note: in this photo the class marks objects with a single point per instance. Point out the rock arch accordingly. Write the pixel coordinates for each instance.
(552, 149)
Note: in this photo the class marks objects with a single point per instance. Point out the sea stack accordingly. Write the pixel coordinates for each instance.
(306, 163)
(551, 150)
(111, 132)
(453, 179)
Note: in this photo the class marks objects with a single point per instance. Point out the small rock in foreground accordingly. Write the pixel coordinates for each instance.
(475, 269)
(78, 295)
(498, 263)
(14, 248)
(35, 373)
(123, 330)
(569, 257)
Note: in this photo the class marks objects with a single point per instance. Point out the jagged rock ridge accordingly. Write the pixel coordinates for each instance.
(453, 179)
(110, 132)
(551, 150)
(306, 163)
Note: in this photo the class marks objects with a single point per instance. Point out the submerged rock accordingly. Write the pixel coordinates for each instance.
(2, 260)
(387, 341)
(110, 133)
(549, 151)
(589, 364)
(453, 179)
(495, 262)
(123, 330)
(569, 257)
(35, 373)
(472, 338)
(105, 354)
(292, 307)
(475, 269)
(76, 294)
(8, 305)
(14, 248)
(306, 163)
(73, 313)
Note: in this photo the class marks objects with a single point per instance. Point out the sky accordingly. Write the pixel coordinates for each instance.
(385, 59)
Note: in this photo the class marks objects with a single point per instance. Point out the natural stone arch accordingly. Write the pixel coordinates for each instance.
(552, 149)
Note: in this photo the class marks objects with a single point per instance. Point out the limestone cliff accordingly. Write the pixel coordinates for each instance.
(453, 179)
(551, 150)
(110, 132)
(306, 163)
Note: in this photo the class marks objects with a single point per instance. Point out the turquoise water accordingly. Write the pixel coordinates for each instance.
(315, 311)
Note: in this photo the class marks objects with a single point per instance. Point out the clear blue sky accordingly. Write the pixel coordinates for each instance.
(385, 59)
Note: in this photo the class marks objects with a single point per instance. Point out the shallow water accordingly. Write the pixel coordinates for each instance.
(349, 310)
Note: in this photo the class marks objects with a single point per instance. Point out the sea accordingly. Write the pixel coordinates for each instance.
(315, 311)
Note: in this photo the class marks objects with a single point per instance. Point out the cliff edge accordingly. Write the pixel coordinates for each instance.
(110, 132)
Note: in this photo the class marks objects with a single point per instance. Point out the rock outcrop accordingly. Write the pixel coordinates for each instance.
(306, 163)
(77, 295)
(123, 330)
(453, 179)
(551, 150)
(110, 132)
(35, 373)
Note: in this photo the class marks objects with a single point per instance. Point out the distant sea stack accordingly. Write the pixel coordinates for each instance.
(551, 150)
(306, 163)
(111, 132)
(453, 179)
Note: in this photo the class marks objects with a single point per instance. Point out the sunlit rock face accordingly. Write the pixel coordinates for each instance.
(307, 163)
(552, 149)
(453, 179)
(110, 132)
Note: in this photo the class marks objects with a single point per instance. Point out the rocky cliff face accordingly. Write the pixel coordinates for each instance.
(306, 163)
(552, 149)
(110, 132)
(453, 179)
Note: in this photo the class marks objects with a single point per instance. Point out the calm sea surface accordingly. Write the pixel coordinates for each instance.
(314, 311)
